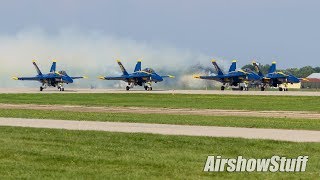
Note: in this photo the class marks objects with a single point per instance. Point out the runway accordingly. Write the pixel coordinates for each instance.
(164, 129)
(159, 91)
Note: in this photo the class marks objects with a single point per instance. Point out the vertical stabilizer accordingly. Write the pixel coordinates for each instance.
(37, 68)
(124, 71)
(217, 67)
(256, 66)
(233, 66)
(53, 66)
(272, 67)
(138, 66)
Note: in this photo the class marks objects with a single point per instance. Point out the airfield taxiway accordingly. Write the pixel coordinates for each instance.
(165, 129)
(172, 91)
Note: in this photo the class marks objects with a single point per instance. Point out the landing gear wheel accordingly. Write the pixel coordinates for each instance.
(262, 88)
(222, 88)
(241, 88)
(41, 88)
(149, 88)
(62, 89)
(146, 88)
(127, 88)
(280, 89)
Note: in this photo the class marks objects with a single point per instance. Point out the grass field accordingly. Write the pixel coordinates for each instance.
(45, 153)
(232, 121)
(291, 103)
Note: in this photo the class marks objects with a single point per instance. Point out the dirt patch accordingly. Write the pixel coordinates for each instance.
(144, 110)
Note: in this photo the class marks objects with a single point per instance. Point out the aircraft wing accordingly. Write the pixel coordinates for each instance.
(28, 78)
(113, 78)
(208, 77)
(79, 77)
(168, 76)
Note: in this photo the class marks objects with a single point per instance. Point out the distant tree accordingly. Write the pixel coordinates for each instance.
(248, 66)
(293, 71)
(316, 69)
(264, 68)
(306, 71)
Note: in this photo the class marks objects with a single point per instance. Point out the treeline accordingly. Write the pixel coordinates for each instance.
(298, 72)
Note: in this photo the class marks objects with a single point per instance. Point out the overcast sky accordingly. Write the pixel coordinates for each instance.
(287, 31)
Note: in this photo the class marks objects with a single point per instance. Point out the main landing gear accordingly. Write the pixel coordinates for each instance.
(44, 86)
(60, 87)
(148, 86)
(283, 89)
(130, 86)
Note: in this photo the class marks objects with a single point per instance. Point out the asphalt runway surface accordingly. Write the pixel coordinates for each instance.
(164, 129)
(159, 91)
(181, 111)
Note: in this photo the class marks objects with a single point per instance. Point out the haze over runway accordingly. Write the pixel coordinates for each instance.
(170, 36)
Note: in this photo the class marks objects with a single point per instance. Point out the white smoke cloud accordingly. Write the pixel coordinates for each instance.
(92, 54)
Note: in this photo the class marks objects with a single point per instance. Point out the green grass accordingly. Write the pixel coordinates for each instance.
(61, 154)
(243, 102)
(232, 121)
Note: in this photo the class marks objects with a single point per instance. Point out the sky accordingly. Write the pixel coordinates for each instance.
(164, 33)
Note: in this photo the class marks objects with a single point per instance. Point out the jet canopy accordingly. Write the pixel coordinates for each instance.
(148, 70)
(62, 72)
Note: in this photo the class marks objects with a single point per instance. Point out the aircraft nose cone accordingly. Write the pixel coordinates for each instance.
(156, 77)
(293, 79)
(67, 79)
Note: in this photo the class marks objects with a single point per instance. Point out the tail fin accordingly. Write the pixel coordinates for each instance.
(53, 66)
(124, 71)
(138, 66)
(217, 67)
(272, 67)
(37, 68)
(233, 66)
(257, 68)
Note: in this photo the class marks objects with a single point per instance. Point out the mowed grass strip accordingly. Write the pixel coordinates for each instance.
(225, 121)
(243, 102)
(29, 153)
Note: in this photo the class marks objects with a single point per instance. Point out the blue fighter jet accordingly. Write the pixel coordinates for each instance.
(139, 77)
(53, 78)
(274, 78)
(232, 78)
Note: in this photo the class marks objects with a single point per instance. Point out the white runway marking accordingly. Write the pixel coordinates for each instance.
(164, 129)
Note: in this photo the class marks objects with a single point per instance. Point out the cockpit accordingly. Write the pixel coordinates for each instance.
(148, 70)
(62, 72)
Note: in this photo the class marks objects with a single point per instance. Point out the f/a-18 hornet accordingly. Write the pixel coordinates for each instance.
(52, 79)
(232, 78)
(274, 78)
(139, 77)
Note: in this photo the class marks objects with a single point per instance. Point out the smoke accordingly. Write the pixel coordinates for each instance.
(93, 54)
